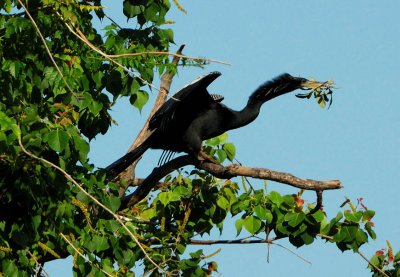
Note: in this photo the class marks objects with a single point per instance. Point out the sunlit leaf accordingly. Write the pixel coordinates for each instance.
(252, 224)
(230, 150)
(58, 140)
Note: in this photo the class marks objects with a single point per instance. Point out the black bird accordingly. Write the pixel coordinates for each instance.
(193, 115)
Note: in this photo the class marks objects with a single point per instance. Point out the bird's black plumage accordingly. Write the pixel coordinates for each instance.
(193, 115)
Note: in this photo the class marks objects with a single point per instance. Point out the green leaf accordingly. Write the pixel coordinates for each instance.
(216, 140)
(252, 224)
(368, 228)
(376, 261)
(368, 215)
(346, 234)
(397, 257)
(263, 213)
(139, 99)
(181, 191)
(223, 203)
(15, 129)
(230, 150)
(149, 213)
(101, 243)
(8, 6)
(353, 217)
(97, 78)
(307, 238)
(221, 155)
(82, 147)
(95, 107)
(58, 140)
(166, 34)
(318, 216)
(239, 226)
(164, 197)
(275, 198)
(361, 237)
(321, 102)
(131, 10)
(36, 220)
(181, 248)
(11, 69)
(338, 217)
(280, 228)
(294, 219)
(113, 203)
(197, 255)
(51, 75)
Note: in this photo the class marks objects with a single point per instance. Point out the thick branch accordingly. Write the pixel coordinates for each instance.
(234, 241)
(268, 174)
(152, 180)
(226, 172)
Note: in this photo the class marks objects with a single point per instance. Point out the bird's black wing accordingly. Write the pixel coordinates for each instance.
(185, 104)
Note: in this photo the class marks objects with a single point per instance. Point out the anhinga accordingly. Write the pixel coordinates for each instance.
(193, 115)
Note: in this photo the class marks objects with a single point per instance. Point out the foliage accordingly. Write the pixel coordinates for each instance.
(55, 108)
(386, 261)
(322, 93)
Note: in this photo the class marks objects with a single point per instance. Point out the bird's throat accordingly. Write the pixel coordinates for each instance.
(247, 115)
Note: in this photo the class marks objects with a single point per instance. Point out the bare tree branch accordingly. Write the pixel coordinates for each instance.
(267, 174)
(227, 172)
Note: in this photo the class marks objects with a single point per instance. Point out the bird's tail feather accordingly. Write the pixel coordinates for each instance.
(125, 161)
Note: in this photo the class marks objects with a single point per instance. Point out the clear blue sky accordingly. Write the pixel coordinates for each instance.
(357, 44)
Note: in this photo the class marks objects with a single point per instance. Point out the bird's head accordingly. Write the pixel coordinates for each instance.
(282, 84)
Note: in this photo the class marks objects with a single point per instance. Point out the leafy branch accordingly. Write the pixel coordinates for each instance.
(114, 215)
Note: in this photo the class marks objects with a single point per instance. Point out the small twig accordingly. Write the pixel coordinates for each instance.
(168, 54)
(324, 236)
(212, 254)
(297, 255)
(40, 266)
(83, 256)
(112, 20)
(234, 241)
(371, 264)
(111, 57)
(82, 37)
(246, 241)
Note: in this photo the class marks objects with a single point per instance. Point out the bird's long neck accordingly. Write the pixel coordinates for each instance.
(269, 90)
(248, 114)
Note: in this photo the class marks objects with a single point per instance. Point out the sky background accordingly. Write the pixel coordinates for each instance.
(355, 43)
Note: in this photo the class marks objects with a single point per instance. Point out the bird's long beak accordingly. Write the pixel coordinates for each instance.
(312, 84)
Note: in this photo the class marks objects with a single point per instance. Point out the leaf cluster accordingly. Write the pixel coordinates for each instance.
(56, 95)
(322, 93)
(386, 261)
